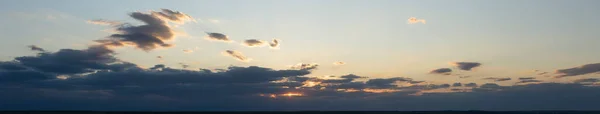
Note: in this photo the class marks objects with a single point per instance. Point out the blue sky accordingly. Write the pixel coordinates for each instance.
(509, 38)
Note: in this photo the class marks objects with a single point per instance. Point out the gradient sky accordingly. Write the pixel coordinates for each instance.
(510, 38)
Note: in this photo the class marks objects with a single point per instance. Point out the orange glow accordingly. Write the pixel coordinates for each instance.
(292, 94)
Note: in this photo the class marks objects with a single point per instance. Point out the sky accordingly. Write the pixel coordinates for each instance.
(299, 54)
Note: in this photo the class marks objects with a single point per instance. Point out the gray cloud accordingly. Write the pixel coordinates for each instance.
(587, 80)
(237, 55)
(471, 85)
(306, 66)
(581, 70)
(153, 34)
(70, 61)
(274, 44)
(526, 78)
(466, 65)
(497, 79)
(217, 37)
(444, 71)
(36, 48)
(253, 43)
(457, 84)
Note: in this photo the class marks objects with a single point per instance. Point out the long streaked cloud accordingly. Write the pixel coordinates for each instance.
(237, 55)
(104, 22)
(581, 70)
(465, 65)
(498, 79)
(414, 20)
(155, 32)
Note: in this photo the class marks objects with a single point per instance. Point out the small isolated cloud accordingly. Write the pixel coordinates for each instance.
(465, 65)
(160, 57)
(104, 22)
(542, 73)
(581, 70)
(183, 65)
(414, 20)
(36, 48)
(339, 63)
(188, 51)
(237, 55)
(217, 37)
(497, 79)
(274, 44)
(444, 71)
(253, 43)
(305, 66)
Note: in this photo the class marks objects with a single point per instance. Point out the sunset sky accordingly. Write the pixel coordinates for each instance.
(329, 54)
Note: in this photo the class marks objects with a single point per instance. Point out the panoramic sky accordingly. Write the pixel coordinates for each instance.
(299, 55)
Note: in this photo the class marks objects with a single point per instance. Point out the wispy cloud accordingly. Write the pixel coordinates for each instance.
(581, 70)
(443, 71)
(414, 20)
(237, 55)
(274, 44)
(36, 48)
(104, 22)
(497, 79)
(339, 63)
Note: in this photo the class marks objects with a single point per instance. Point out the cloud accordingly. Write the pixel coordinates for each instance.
(274, 44)
(581, 70)
(339, 63)
(104, 22)
(70, 61)
(237, 55)
(160, 57)
(188, 51)
(153, 34)
(464, 76)
(253, 43)
(414, 20)
(471, 85)
(528, 81)
(456, 84)
(587, 80)
(466, 65)
(183, 65)
(217, 37)
(444, 71)
(497, 79)
(526, 78)
(305, 66)
(542, 73)
(36, 48)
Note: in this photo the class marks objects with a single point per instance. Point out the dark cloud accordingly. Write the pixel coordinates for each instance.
(444, 71)
(253, 43)
(529, 81)
(70, 61)
(380, 83)
(471, 85)
(217, 37)
(153, 34)
(457, 84)
(237, 55)
(36, 48)
(466, 65)
(274, 44)
(497, 79)
(581, 70)
(587, 80)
